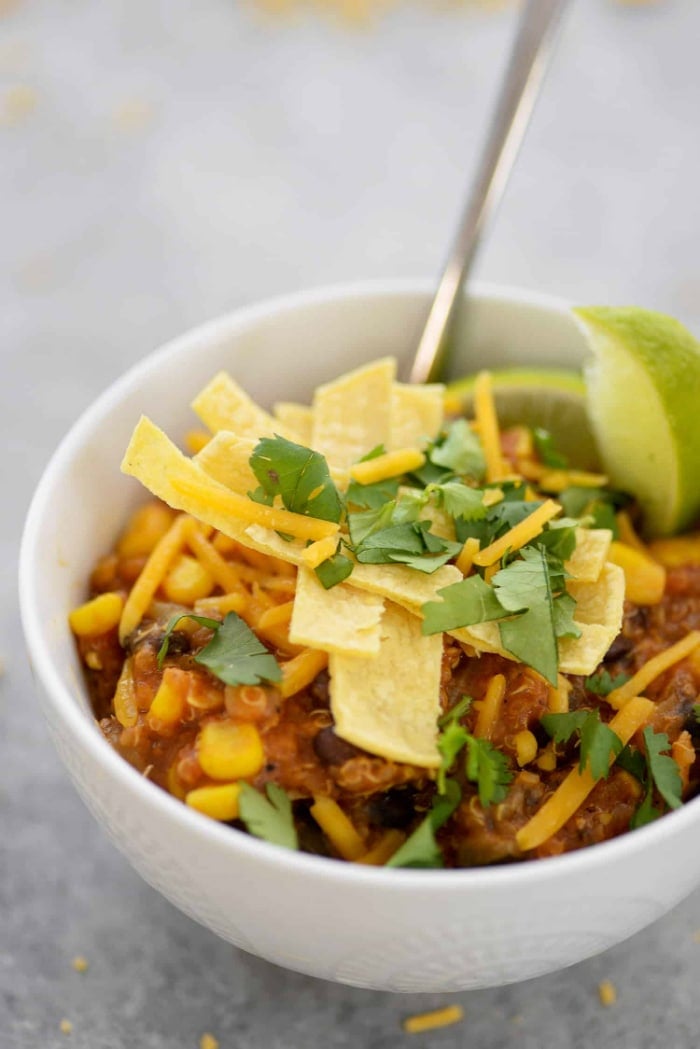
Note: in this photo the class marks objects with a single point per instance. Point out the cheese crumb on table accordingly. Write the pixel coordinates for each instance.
(66, 1026)
(607, 992)
(208, 1041)
(80, 964)
(450, 1014)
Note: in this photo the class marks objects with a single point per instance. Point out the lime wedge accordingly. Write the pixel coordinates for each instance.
(643, 394)
(550, 398)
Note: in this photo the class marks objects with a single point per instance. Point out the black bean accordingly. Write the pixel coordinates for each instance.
(393, 808)
(319, 688)
(331, 749)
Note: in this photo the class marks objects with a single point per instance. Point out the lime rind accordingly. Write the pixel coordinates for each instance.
(643, 394)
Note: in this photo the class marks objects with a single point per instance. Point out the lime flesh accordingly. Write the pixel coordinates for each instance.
(551, 398)
(643, 394)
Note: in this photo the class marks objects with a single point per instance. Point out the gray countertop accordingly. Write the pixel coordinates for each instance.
(164, 161)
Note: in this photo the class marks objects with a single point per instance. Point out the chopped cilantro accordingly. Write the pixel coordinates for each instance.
(602, 683)
(599, 504)
(488, 768)
(598, 741)
(297, 474)
(450, 743)
(456, 712)
(563, 608)
(372, 496)
(234, 654)
(459, 500)
(410, 544)
(459, 451)
(421, 849)
(463, 604)
(334, 570)
(269, 818)
(546, 449)
(529, 636)
(696, 712)
(663, 769)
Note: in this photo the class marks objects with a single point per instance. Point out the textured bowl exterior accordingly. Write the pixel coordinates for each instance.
(390, 930)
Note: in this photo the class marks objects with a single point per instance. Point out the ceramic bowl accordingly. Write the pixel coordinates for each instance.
(395, 930)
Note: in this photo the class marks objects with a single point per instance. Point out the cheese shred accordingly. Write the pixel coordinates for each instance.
(652, 668)
(519, 535)
(450, 1014)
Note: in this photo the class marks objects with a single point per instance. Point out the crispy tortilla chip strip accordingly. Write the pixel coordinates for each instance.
(388, 704)
(223, 405)
(226, 458)
(351, 416)
(651, 670)
(296, 417)
(573, 791)
(153, 573)
(403, 585)
(416, 416)
(341, 619)
(153, 459)
(587, 561)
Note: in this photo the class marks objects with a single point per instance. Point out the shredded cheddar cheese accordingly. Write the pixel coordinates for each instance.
(320, 551)
(153, 574)
(573, 791)
(450, 1014)
(391, 464)
(490, 707)
(651, 670)
(519, 535)
(338, 828)
(487, 427)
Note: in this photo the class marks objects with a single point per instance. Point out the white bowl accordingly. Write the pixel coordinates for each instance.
(396, 930)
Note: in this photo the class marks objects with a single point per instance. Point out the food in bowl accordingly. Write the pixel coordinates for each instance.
(416, 656)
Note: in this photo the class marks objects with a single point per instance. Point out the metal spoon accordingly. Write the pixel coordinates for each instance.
(534, 44)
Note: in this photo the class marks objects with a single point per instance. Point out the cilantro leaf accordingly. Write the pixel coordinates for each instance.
(421, 849)
(459, 500)
(297, 474)
(663, 770)
(598, 741)
(364, 523)
(696, 712)
(488, 768)
(410, 544)
(455, 713)
(463, 604)
(269, 818)
(632, 761)
(602, 683)
(563, 608)
(530, 636)
(459, 451)
(449, 743)
(559, 538)
(236, 656)
(646, 812)
(546, 449)
(600, 504)
(334, 570)
(213, 624)
(372, 496)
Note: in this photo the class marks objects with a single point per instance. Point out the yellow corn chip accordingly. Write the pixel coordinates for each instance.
(587, 561)
(341, 619)
(297, 417)
(223, 405)
(404, 585)
(226, 459)
(416, 415)
(266, 541)
(351, 416)
(600, 602)
(389, 704)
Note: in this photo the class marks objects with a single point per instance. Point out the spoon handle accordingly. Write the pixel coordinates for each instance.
(534, 44)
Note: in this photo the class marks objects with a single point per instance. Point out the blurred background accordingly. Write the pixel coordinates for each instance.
(163, 161)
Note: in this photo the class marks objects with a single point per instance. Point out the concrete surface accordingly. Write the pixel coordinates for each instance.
(165, 161)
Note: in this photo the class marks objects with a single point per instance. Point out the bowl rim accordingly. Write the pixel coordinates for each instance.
(129, 781)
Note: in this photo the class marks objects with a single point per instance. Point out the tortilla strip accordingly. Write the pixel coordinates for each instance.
(297, 417)
(389, 704)
(416, 415)
(342, 619)
(224, 405)
(351, 415)
(587, 561)
(404, 585)
(226, 459)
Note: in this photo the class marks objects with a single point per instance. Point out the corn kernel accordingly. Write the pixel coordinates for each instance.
(97, 616)
(645, 579)
(229, 751)
(547, 760)
(187, 581)
(220, 802)
(525, 747)
(146, 527)
(170, 701)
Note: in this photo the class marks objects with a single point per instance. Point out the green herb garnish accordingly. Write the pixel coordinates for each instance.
(299, 476)
(269, 818)
(546, 449)
(602, 683)
(421, 849)
(234, 654)
(598, 741)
